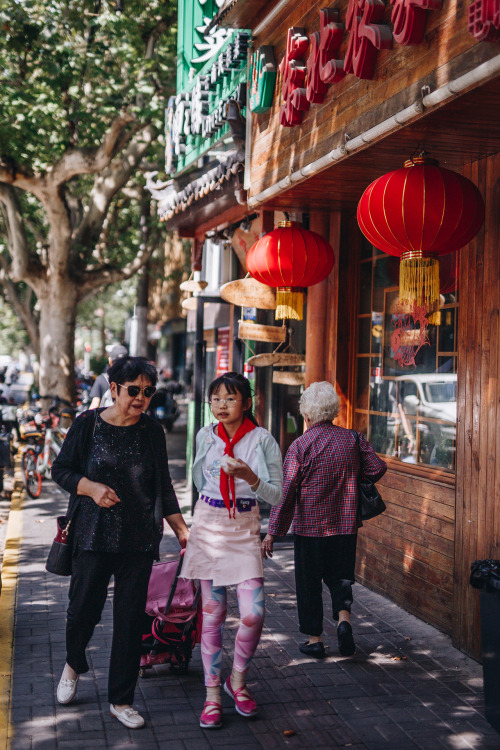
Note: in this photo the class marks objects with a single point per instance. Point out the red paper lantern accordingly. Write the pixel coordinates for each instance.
(419, 213)
(290, 258)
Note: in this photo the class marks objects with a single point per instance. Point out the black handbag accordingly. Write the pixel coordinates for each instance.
(61, 552)
(369, 498)
(59, 560)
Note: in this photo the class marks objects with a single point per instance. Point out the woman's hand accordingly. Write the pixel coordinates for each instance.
(242, 471)
(266, 548)
(101, 494)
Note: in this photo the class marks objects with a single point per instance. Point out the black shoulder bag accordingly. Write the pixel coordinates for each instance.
(60, 556)
(369, 498)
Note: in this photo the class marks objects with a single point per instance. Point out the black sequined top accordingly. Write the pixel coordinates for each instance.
(133, 461)
(121, 458)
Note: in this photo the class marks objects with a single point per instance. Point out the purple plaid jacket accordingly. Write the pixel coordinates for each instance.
(320, 475)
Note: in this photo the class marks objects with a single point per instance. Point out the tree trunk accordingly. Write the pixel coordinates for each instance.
(58, 306)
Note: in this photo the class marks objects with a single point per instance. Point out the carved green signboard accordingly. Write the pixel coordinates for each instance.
(262, 79)
(211, 70)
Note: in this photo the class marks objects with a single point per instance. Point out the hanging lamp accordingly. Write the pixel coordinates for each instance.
(418, 213)
(290, 258)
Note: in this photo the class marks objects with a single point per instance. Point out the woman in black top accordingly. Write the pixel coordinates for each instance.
(114, 464)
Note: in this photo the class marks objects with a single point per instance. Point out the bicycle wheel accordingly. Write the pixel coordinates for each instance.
(32, 479)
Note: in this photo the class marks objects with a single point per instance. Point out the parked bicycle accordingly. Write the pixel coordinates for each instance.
(44, 435)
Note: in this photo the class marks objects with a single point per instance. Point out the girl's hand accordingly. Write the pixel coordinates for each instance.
(239, 469)
(178, 526)
(183, 538)
(103, 495)
(266, 548)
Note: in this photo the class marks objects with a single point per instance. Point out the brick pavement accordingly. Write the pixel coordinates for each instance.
(407, 687)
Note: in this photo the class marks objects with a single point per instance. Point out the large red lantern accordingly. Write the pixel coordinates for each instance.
(419, 213)
(290, 258)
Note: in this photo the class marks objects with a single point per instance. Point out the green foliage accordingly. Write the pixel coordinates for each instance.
(68, 66)
(115, 304)
(12, 338)
(67, 69)
(98, 363)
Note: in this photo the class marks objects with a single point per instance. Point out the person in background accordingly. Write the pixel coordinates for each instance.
(100, 393)
(237, 463)
(114, 464)
(320, 501)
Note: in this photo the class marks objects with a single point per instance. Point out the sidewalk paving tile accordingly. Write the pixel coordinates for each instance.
(430, 700)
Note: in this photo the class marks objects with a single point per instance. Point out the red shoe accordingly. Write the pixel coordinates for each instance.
(211, 716)
(243, 701)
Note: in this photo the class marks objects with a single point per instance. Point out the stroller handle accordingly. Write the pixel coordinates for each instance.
(174, 585)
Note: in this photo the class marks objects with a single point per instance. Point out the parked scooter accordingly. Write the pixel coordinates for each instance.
(8, 427)
(163, 407)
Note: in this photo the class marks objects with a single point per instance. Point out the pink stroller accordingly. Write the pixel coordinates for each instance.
(173, 611)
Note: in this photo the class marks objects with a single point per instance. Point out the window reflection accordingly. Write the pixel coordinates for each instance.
(407, 412)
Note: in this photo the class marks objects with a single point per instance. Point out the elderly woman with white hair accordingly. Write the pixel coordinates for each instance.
(320, 502)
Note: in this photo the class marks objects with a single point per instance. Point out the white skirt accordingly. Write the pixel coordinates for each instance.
(222, 549)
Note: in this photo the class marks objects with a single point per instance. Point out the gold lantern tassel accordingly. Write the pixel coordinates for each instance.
(419, 281)
(289, 303)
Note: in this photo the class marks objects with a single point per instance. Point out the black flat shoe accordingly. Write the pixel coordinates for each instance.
(347, 647)
(313, 649)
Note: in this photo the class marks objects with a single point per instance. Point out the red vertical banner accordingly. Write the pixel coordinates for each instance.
(222, 351)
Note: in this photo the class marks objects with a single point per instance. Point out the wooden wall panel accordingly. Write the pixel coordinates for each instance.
(352, 105)
(407, 554)
(478, 439)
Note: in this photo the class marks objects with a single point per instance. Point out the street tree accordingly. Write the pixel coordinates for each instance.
(83, 85)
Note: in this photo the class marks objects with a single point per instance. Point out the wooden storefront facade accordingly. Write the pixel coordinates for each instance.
(440, 95)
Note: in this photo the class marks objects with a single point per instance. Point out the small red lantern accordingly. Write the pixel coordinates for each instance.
(290, 258)
(419, 213)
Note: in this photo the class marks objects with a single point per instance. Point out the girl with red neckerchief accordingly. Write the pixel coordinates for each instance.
(237, 463)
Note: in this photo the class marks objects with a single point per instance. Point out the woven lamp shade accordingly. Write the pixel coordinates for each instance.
(418, 213)
(290, 258)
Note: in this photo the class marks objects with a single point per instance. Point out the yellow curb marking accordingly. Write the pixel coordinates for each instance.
(8, 597)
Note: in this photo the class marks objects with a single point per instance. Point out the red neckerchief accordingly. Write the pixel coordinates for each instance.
(226, 481)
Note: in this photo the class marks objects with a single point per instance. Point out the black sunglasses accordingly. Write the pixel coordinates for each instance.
(134, 390)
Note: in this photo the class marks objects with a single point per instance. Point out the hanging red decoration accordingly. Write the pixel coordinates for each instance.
(290, 258)
(419, 213)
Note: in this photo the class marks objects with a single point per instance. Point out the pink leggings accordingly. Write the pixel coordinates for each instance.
(251, 605)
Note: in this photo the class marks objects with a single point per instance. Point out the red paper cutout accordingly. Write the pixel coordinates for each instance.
(406, 340)
(294, 74)
(367, 36)
(484, 20)
(408, 17)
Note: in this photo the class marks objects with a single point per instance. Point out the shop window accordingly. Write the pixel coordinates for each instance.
(407, 409)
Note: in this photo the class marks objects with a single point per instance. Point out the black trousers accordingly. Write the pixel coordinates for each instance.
(92, 572)
(330, 559)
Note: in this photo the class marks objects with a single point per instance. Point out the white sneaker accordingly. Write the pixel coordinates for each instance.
(66, 690)
(129, 717)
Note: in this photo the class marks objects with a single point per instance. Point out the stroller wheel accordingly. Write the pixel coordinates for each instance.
(179, 662)
(143, 672)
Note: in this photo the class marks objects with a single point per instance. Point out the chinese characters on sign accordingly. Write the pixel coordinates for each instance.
(262, 79)
(294, 74)
(322, 67)
(367, 36)
(222, 351)
(305, 84)
(408, 18)
(484, 20)
(195, 116)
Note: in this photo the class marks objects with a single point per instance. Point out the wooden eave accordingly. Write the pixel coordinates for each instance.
(241, 14)
(210, 212)
(461, 132)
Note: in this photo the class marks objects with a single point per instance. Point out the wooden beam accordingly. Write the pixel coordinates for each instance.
(317, 311)
(221, 221)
